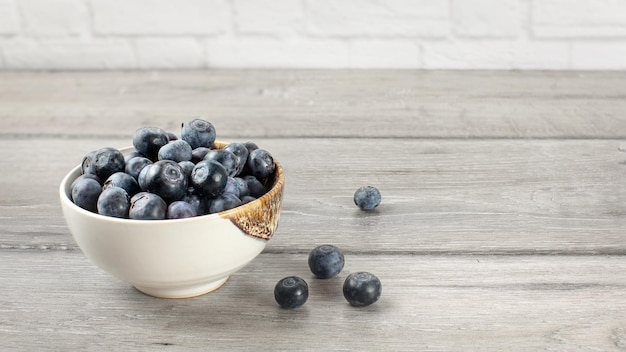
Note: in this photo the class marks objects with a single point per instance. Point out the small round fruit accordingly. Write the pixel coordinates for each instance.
(114, 202)
(326, 261)
(291, 292)
(147, 206)
(367, 197)
(148, 140)
(362, 289)
(209, 178)
(198, 133)
(166, 179)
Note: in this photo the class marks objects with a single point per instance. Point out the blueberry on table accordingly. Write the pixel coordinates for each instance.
(326, 261)
(166, 179)
(177, 150)
(85, 192)
(180, 210)
(367, 197)
(148, 140)
(198, 133)
(208, 178)
(147, 206)
(261, 163)
(114, 202)
(362, 289)
(291, 292)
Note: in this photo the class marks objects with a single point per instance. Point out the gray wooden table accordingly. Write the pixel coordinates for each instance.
(502, 225)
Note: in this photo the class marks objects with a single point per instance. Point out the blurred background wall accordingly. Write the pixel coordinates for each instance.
(425, 34)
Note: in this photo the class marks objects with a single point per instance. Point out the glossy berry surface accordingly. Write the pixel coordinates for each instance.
(148, 140)
(85, 192)
(147, 206)
(198, 133)
(241, 152)
(135, 165)
(362, 289)
(166, 179)
(367, 197)
(114, 202)
(122, 180)
(175, 150)
(326, 261)
(209, 178)
(291, 292)
(226, 158)
(180, 210)
(104, 162)
(261, 163)
(224, 202)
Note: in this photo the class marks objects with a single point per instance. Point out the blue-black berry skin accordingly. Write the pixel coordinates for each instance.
(104, 162)
(166, 179)
(85, 192)
(147, 206)
(326, 261)
(241, 152)
(224, 202)
(114, 202)
(187, 167)
(261, 163)
(209, 178)
(180, 210)
(122, 180)
(367, 197)
(291, 292)
(198, 202)
(255, 188)
(148, 141)
(198, 154)
(227, 158)
(362, 289)
(135, 165)
(176, 150)
(198, 133)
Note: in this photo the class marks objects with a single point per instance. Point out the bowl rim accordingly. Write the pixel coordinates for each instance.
(277, 186)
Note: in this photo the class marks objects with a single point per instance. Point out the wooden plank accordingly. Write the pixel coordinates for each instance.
(57, 300)
(439, 196)
(425, 104)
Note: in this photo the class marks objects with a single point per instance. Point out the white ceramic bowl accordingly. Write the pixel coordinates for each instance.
(175, 258)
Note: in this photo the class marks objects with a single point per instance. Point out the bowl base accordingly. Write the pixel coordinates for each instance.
(182, 292)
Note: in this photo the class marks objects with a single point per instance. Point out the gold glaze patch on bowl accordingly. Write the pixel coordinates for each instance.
(260, 218)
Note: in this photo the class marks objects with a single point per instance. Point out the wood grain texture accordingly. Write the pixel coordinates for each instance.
(453, 196)
(438, 303)
(253, 104)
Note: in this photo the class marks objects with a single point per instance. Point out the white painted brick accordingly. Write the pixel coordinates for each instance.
(268, 16)
(69, 54)
(9, 23)
(54, 17)
(169, 53)
(604, 55)
(579, 19)
(428, 18)
(274, 53)
(160, 17)
(384, 54)
(487, 18)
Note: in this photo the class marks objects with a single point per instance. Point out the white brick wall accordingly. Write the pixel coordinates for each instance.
(428, 34)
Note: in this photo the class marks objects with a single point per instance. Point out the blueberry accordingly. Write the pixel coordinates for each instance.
(83, 176)
(135, 165)
(247, 199)
(243, 186)
(85, 192)
(133, 154)
(198, 133)
(180, 210)
(251, 146)
(147, 206)
(227, 158)
(224, 202)
(103, 162)
(291, 292)
(114, 202)
(175, 150)
(261, 163)
(187, 167)
(199, 153)
(171, 136)
(141, 179)
(148, 141)
(196, 201)
(255, 187)
(122, 180)
(166, 179)
(209, 178)
(326, 261)
(241, 152)
(367, 197)
(232, 187)
(362, 289)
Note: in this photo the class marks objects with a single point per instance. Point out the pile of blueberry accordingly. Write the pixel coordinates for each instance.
(171, 178)
(360, 289)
